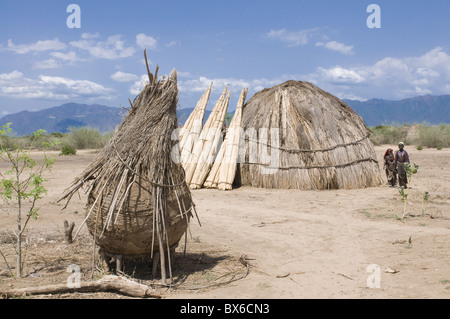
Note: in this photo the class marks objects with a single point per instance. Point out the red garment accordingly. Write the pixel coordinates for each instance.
(387, 151)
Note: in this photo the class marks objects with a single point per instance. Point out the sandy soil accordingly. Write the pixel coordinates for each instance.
(297, 244)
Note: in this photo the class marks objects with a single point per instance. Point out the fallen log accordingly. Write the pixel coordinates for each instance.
(108, 283)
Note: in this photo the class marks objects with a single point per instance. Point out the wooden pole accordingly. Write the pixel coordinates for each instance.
(68, 230)
(107, 283)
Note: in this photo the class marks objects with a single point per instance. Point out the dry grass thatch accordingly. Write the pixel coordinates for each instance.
(138, 200)
(299, 136)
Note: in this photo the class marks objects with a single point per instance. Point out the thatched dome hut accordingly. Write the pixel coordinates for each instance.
(299, 136)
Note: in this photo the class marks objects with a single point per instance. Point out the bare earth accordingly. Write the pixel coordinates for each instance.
(295, 244)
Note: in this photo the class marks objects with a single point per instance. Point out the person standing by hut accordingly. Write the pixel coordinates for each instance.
(401, 157)
(389, 167)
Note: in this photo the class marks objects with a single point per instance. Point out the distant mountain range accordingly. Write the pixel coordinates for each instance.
(427, 108)
(61, 118)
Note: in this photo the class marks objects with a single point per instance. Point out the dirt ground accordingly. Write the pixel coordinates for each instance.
(266, 243)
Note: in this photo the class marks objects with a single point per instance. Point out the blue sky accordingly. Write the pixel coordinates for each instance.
(254, 44)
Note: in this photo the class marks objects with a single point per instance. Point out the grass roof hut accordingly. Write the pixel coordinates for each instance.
(299, 136)
(139, 204)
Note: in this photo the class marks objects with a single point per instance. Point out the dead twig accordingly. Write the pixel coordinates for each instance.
(7, 265)
(345, 276)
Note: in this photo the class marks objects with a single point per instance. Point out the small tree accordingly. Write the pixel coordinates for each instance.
(23, 183)
(410, 171)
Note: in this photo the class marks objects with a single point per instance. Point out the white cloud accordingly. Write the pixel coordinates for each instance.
(139, 84)
(389, 78)
(340, 75)
(14, 75)
(183, 74)
(69, 56)
(87, 36)
(202, 83)
(120, 76)
(171, 44)
(15, 85)
(337, 46)
(113, 48)
(146, 42)
(292, 38)
(393, 78)
(47, 64)
(39, 46)
(77, 87)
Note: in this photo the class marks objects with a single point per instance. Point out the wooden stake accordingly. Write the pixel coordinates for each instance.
(119, 264)
(68, 229)
(150, 76)
(155, 265)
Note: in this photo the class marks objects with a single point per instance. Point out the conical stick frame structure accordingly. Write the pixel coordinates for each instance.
(138, 201)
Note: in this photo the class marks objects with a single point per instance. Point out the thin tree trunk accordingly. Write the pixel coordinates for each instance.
(19, 232)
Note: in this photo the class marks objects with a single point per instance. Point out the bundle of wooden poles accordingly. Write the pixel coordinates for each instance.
(209, 152)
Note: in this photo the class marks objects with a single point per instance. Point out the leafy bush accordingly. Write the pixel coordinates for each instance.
(68, 150)
(427, 135)
(57, 134)
(86, 138)
(388, 134)
(7, 142)
(434, 136)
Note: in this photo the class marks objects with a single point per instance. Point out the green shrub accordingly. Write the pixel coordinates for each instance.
(388, 134)
(86, 138)
(68, 150)
(57, 134)
(7, 142)
(432, 136)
